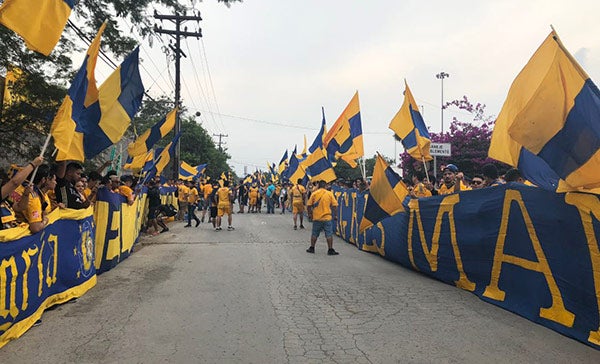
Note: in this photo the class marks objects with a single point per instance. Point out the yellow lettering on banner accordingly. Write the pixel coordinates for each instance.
(11, 309)
(589, 205)
(40, 267)
(557, 312)
(353, 238)
(51, 278)
(446, 207)
(127, 226)
(114, 245)
(343, 225)
(101, 211)
(373, 248)
(26, 255)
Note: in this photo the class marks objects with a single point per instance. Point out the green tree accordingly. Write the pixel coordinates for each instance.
(24, 125)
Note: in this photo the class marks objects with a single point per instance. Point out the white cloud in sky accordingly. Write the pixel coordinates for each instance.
(280, 61)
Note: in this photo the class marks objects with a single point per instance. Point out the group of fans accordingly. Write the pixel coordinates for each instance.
(455, 181)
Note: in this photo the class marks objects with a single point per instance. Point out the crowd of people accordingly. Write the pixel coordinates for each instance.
(27, 202)
(453, 180)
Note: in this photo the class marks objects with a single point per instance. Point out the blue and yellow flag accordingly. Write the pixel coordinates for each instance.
(146, 141)
(409, 126)
(344, 140)
(386, 194)
(166, 155)
(304, 153)
(104, 122)
(319, 167)
(549, 126)
(318, 142)
(149, 168)
(39, 23)
(187, 172)
(139, 161)
(283, 163)
(295, 170)
(82, 93)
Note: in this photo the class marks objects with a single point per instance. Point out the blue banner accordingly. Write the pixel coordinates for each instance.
(41, 270)
(528, 250)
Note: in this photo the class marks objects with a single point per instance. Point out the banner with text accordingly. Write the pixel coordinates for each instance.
(525, 249)
(41, 270)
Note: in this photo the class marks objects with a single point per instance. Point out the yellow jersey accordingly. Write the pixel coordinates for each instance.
(321, 202)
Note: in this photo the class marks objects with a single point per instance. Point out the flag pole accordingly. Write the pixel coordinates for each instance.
(41, 155)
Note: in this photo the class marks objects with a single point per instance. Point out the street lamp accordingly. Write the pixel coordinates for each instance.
(441, 76)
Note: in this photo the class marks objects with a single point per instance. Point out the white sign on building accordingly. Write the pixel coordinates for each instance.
(440, 149)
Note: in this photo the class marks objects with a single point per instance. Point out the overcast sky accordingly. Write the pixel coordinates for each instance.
(274, 63)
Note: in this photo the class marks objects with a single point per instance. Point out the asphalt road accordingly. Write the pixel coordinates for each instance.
(254, 295)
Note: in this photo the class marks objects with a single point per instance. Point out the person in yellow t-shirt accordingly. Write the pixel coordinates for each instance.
(419, 190)
(125, 189)
(322, 209)
(34, 204)
(297, 195)
(253, 197)
(182, 197)
(452, 181)
(206, 190)
(224, 205)
(192, 201)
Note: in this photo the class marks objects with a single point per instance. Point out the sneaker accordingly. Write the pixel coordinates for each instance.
(37, 323)
(164, 230)
(230, 228)
(295, 227)
(188, 225)
(332, 252)
(301, 226)
(311, 249)
(218, 228)
(154, 233)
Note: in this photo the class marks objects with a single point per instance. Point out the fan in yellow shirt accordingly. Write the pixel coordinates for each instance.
(225, 198)
(298, 197)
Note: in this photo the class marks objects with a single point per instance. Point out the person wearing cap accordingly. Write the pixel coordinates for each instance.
(452, 181)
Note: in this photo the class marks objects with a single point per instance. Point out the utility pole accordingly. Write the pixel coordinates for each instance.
(221, 142)
(441, 76)
(177, 34)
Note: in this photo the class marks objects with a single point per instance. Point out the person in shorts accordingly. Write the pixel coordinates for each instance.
(322, 209)
(224, 205)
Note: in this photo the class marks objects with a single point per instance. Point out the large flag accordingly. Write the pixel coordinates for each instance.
(409, 126)
(319, 167)
(149, 169)
(40, 23)
(385, 195)
(104, 122)
(82, 93)
(283, 163)
(344, 139)
(318, 142)
(549, 126)
(166, 155)
(295, 169)
(138, 162)
(304, 153)
(146, 141)
(188, 173)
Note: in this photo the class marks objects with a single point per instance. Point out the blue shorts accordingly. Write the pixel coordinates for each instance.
(326, 226)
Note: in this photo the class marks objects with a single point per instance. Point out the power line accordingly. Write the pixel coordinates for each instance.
(210, 79)
(199, 85)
